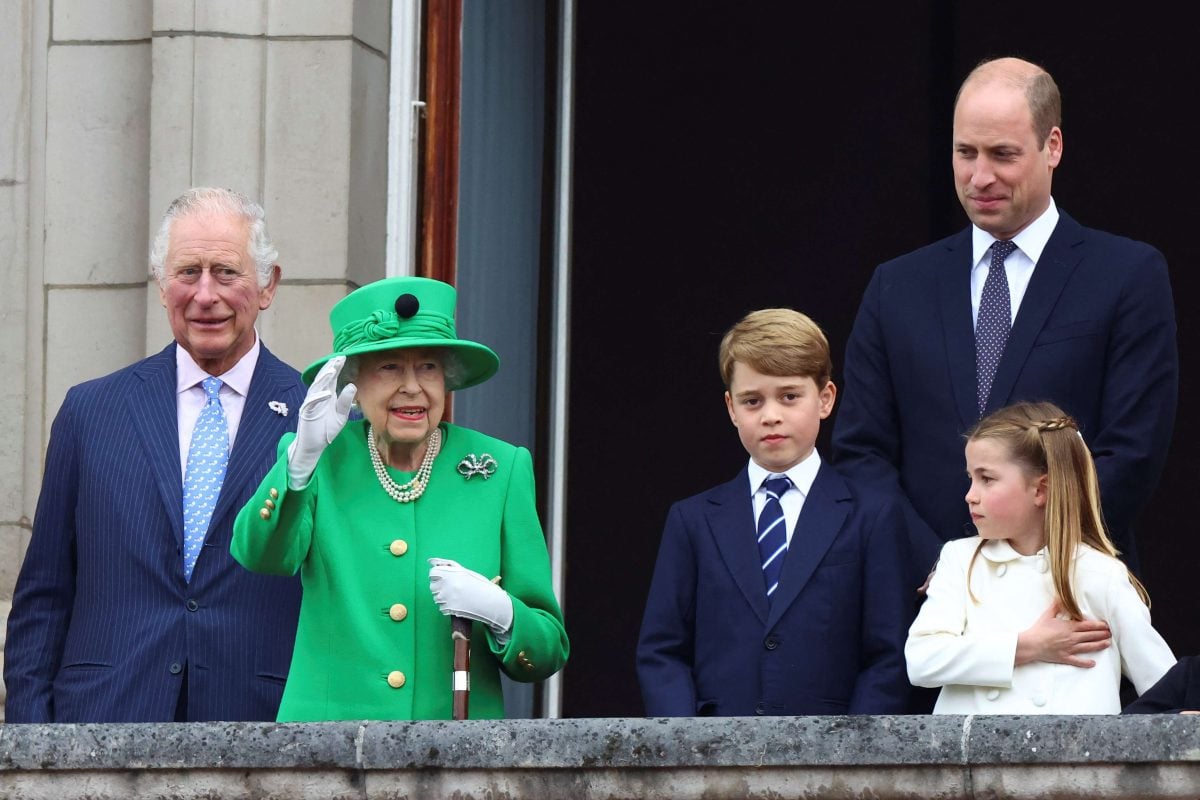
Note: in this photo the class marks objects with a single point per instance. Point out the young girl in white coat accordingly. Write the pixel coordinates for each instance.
(1036, 615)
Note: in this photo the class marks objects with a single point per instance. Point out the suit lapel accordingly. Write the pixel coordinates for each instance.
(731, 522)
(1058, 261)
(152, 407)
(821, 519)
(954, 288)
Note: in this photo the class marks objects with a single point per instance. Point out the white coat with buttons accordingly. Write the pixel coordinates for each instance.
(969, 648)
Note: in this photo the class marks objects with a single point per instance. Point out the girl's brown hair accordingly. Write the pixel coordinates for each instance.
(1043, 440)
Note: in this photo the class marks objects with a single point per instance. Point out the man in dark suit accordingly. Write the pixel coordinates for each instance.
(126, 608)
(1072, 315)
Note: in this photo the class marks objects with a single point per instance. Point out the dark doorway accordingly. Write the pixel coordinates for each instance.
(736, 156)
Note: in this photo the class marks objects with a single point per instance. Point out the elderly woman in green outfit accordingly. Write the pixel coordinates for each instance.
(399, 520)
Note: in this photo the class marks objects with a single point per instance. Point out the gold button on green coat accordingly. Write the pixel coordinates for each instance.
(340, 532)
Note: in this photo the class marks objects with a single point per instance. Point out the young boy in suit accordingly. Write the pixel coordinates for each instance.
(782, 591)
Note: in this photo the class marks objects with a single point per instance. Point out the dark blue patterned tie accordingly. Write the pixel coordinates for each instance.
(772, 532)
(207, 459)
(993, 323)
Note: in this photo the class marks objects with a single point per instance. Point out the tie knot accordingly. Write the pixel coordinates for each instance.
(212, 387)
(1001, 249)
(777, 485)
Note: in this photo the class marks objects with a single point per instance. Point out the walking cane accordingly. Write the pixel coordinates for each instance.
(460, 633)
(460, 628)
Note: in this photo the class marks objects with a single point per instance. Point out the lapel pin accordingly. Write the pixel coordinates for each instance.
(473, 465)
(279, 408)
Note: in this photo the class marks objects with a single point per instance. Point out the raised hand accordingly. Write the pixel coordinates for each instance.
(322, 417)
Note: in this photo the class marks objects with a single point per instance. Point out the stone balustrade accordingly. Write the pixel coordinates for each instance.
(782, 757)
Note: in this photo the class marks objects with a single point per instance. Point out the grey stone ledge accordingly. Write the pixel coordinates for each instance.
(882, 757)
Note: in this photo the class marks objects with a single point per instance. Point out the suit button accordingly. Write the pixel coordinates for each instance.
(760, 709)
(1039, 700)
(771, 643)
(396, 679)
(265, 513)
(1000, 570)
(398, 547)
(175, 668)
(1042, 564)
(398, 612)
(269, 504)
(274, 494)
(993, 694)
(192, 605)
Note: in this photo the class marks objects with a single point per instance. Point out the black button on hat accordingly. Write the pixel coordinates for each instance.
(407, 305)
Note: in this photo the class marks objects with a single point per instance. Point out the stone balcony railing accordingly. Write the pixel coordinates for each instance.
(782, 757)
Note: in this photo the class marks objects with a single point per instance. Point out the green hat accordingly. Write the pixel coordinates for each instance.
(403, 313)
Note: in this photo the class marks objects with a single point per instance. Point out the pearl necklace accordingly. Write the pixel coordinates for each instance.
(410, 491)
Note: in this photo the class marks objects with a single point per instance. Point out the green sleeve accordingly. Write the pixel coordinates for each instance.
(538, 645)
(275, 540)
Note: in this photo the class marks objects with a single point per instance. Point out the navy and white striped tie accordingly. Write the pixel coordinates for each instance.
(772, 532)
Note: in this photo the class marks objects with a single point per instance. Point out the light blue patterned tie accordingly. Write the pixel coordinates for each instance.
(207, 459)
(772, 532)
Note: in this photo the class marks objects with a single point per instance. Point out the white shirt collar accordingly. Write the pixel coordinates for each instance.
(188, 373)
(1031, 241)
(802, 475)
(999, 550)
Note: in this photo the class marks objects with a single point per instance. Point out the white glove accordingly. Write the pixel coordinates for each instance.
(460, 592)
(322, 418)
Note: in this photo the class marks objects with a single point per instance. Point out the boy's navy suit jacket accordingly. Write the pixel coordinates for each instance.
(831, 641)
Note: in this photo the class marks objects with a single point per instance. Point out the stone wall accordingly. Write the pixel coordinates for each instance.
(783, 757)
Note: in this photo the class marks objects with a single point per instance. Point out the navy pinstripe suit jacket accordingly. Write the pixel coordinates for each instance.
(103, 624)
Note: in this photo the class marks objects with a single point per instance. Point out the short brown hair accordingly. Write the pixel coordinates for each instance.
(777, 341)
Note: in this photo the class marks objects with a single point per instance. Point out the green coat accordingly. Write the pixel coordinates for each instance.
(367, 612)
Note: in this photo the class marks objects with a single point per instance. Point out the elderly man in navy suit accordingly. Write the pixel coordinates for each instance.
(1026, 304)
(128, 607)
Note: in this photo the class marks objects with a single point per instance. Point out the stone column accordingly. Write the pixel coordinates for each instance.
(74, 223)
(15, 90)
(286, 101)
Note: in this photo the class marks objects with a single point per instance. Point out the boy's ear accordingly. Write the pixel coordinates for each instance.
(729, 407)
(827, 395)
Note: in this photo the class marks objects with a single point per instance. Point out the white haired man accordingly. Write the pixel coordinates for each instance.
(129, 607)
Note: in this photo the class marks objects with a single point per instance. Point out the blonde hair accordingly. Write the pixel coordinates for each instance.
(1043, 440)
(779, 342)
